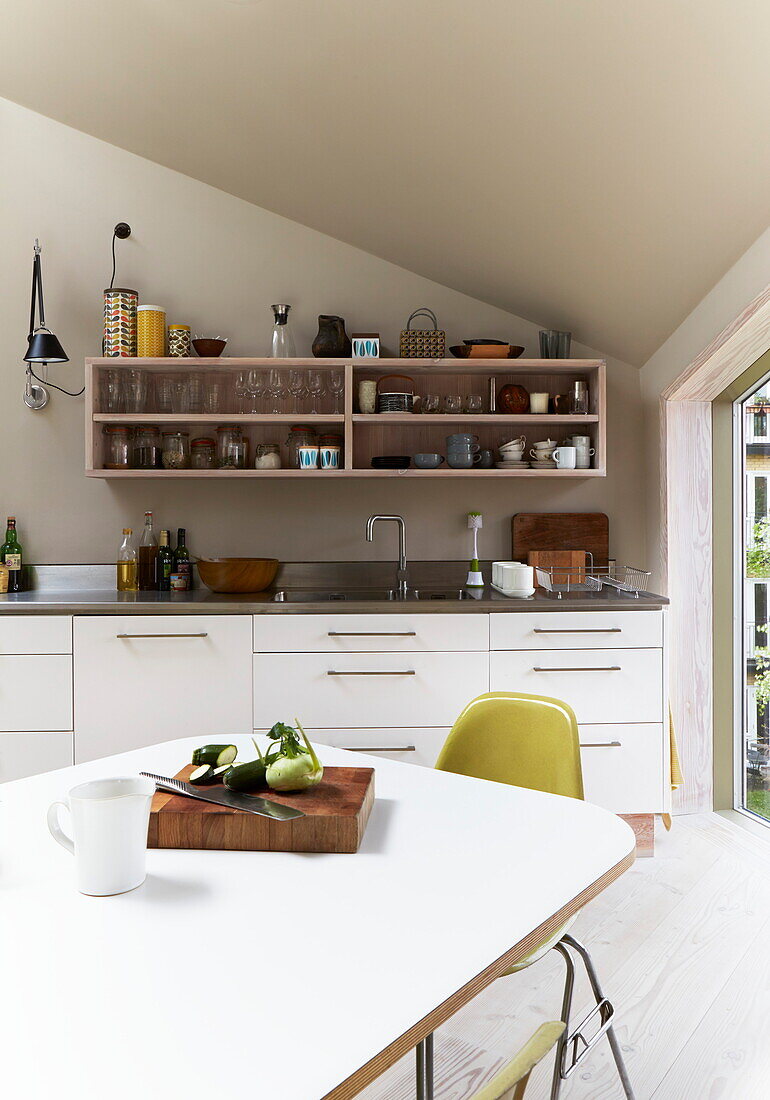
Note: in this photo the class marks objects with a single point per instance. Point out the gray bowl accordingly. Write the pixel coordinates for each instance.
(427, 461)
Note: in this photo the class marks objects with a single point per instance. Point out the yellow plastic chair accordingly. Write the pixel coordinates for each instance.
(511, 1082)
(531, 741)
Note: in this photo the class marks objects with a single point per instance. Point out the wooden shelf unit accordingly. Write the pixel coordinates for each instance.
(369, 435)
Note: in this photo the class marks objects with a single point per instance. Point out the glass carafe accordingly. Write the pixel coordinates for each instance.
(283, 340)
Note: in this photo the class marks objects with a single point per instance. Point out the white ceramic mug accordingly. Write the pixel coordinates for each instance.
(583, 459)
(513, 577)
(538, 402)
(565, 458)
(109, 833)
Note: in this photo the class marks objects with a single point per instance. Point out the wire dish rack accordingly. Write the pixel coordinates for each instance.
(558, 581)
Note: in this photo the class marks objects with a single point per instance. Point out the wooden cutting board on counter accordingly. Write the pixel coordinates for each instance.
(590, 531)
(564, 565)
(336, 813)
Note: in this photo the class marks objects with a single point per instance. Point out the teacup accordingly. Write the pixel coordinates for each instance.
(487, 460)
(514, 444)
(461, 439)
(427, 460)
(463, 460)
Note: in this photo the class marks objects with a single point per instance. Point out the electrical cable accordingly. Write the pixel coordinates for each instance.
(46, 382)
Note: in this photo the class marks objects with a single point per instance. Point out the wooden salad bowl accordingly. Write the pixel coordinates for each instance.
(237, 574)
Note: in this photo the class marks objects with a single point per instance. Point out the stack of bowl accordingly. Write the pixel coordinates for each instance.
(512, 455)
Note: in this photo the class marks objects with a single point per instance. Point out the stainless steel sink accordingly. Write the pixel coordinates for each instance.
(368, 595)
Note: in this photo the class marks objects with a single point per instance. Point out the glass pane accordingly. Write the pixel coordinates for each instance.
(755, 644)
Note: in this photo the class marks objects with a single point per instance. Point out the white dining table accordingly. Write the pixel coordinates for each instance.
(272, 975)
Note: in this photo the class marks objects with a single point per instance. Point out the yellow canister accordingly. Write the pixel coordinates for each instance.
(150, 332)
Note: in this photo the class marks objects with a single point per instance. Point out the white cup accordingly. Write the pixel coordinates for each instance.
(565, 458)
(538, 402)
(542, 454)
(109, 833)
(583, 457)
(514, 578)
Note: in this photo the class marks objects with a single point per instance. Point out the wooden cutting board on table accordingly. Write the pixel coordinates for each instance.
(590, 531)
(336, 812)
(564, 565)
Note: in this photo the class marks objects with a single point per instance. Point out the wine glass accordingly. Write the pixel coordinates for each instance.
(316, 388)
(241, 391)
(276, 389)
(337, 385)
(297, 387)
(255, 387)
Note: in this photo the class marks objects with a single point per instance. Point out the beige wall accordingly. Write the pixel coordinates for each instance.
(218, 262)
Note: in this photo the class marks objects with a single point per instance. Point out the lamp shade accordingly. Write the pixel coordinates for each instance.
(44, 347)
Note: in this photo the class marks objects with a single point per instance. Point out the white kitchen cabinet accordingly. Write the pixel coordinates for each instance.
(623, 767)
(23, 754)
(40, 634)
(411, 745)
(142, 679)
(358, 690)
(384, 633)
(601, 685)
(35, 693)
(577, 630)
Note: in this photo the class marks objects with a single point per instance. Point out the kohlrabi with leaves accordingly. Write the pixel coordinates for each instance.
(292, 764)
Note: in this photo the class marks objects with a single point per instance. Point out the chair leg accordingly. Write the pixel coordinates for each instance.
(424, 1067)
(600, 998)
(566, 1008)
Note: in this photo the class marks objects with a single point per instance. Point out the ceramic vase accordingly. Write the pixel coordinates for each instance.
(332, 342)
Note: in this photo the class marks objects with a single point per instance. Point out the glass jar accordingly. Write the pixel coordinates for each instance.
(176, 450)
(117, 449)
(300, 435)
(231, 449)
(202, 454)
(267, 456)
(147, 449)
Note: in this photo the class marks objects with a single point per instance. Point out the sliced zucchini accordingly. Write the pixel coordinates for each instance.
(249, 776)
(202, 775)
(215, 755)
(219, 772)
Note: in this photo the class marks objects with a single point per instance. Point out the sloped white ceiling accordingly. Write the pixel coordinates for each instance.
(589, 164)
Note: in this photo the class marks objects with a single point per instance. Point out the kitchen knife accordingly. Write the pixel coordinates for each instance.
(231, 799)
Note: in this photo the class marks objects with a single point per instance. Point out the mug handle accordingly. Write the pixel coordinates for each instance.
(557, 457)
(476, 458)
(441, 459)
(55, 828)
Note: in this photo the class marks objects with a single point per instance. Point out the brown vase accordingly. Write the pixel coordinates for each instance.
(332, 342)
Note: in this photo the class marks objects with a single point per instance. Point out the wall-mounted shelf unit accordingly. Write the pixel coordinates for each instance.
(364, 435)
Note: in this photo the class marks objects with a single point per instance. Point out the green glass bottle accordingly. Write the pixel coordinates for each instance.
(11, 555)
(182, 560)
(165, 563)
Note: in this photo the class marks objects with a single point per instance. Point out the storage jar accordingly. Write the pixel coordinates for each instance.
(147, 447)
(150, 332)
(267, 456)
(231, 449)
(176, 450)
(300, 435)
(202, 454)
(117, 449)
(179, 341)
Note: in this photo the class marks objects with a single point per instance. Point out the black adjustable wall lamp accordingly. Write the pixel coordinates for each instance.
(43, 346)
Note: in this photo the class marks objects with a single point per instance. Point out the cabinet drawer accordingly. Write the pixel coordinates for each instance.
(142, 679)
(23, 754)
(35, 634)
(601, 685)
(35, 693)
(383, 633)
(623, 767)
(366, 689)
(576, 630)
(409, 745)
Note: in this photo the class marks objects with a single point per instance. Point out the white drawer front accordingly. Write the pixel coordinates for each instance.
(383, 633)
(623, 767)
(35, 634)
(23, 754)
(601, 685)
(576, 630)
(141, 679)
(366, 689)
(409, 745)
(35, 693)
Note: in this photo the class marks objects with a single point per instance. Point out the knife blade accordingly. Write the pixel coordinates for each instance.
(263, 807)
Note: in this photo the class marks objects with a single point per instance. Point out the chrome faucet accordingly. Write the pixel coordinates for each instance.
(401, 571)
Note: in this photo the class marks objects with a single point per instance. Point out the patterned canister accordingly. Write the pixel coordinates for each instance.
(150, 332)
(120, 321)
(179, 345)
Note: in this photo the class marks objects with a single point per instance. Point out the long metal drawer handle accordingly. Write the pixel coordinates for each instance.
(601, 745)
(371, 633)
(395, 672)
(380, 748)
(580, 630)
(581, 668)
(202, 634)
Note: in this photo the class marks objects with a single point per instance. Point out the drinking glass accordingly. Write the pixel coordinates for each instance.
(179, 395)
(337, 385)
(135, 391)
(275, 389)
(163, 384)
(579, 399)
(213, 395)
(195, 394)
(430, 403)
(112, 391)
(241, 391)
(255, 388)
(297, 387)
(453, 403)
(473, 403)
(316, 388)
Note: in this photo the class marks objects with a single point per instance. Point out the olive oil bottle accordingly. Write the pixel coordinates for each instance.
(148, 557)
(165, 563)
(126, 565)
(11, 555)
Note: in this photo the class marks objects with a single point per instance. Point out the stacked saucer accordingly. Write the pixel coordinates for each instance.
(512, 464)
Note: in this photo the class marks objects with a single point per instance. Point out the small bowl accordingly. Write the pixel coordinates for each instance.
(209, 347)
(428, 460)
(237, 574)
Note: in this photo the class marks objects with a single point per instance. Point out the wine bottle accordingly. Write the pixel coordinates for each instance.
(148, 557)
(182, 560)
(126, 565)
(11, 555)
(165, 563)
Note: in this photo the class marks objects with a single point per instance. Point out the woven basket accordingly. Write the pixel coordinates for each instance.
(422, 343)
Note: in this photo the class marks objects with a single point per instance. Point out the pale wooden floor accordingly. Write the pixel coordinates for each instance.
(682, 945)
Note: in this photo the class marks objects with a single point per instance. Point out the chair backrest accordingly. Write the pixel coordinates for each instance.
(527, 740)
